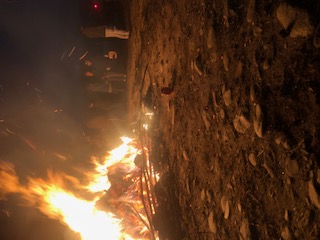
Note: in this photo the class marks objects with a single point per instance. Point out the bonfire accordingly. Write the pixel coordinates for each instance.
(117, 201)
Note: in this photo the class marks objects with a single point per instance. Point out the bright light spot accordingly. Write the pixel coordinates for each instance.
(54, 198)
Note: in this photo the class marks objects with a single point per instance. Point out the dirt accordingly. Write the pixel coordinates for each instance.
(237, 141)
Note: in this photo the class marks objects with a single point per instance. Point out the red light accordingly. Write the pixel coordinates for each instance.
(95, 6)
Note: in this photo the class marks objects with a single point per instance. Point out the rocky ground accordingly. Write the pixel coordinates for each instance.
(237, 141)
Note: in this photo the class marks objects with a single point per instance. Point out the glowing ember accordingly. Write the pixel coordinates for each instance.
(57, 201)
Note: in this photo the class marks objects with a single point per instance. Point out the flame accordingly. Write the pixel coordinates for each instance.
(56, 196)
(124, 154)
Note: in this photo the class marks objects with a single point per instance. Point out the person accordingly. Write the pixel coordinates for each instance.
(104, 32)
(100, 70)
(112, 55)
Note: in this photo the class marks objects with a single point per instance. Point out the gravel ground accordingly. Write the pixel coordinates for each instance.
(239, 135)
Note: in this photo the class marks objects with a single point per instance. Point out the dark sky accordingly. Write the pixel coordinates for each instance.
(34, 35)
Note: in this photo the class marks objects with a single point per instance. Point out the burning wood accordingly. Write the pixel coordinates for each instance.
(121, 204)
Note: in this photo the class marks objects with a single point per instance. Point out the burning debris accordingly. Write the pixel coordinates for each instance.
(116, 203)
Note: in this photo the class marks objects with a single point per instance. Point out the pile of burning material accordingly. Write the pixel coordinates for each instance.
(115, 202)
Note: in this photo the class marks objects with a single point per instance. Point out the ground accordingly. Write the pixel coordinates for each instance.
(237, 141)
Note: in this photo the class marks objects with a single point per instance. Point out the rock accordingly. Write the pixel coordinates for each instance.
(251, 11)
(225, 207)
(201, 32)
(257, 31)
(286, 234)
(225, 59)
(313, 194)
(222, 114)
(253, 95)
(188, 187)
(239, 207)
(212, 45)
(245, 233)
(252, 159)
(226, 14)
(268, 170)
(203, 194)
(291, 167)
(206, 120)
(212, 223)
(185, 155)
(286, 215)
(281, 140)
(198, 65)
(241, 124)
(302, 26)
(286, 15)
(266, 65)
(294, 20)
(227, 97)
(257, 122)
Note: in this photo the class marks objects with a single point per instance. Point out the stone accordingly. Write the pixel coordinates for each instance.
(225, 207)
(225, 59)
(282, 140)
(251, 11)
(286, 215)
(222, 114)
(295, 20)
(241, 124)
(203, 194)
(245, 233)
(252, 159)
(291, 167)
(286, 234)
(313, 194)
(258, 121)
(268, 170)
(286, 15)
(266, 65)
(212, 223)
(253, 95)
(227, 97)
(205, 120)
(239, 207)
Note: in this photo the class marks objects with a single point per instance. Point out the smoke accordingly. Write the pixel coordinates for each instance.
(41, 101)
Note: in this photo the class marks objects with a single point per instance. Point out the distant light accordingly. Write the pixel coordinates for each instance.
(95, 6)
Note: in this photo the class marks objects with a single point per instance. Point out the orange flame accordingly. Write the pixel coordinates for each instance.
(124, 154)
(54, 199)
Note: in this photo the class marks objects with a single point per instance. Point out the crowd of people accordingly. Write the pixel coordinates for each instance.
(102, 67)
(102, 64)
